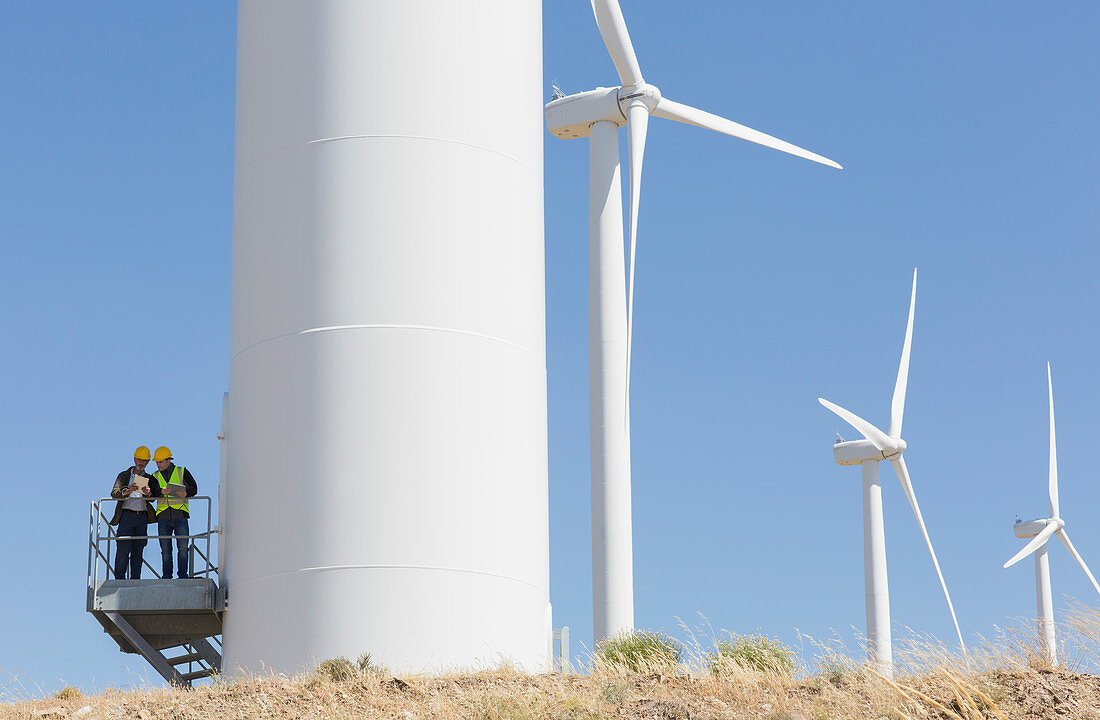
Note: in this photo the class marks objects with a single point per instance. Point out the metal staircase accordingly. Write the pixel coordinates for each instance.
(174, 624)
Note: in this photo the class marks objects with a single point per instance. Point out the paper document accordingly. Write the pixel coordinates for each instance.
(141, 482)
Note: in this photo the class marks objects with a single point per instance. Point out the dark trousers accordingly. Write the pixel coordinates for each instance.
(130, 552)
(166, 528)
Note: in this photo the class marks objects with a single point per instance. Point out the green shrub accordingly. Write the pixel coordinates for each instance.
(642, 651)
(68, 693)
(754, 652)
(337, 669)
(367, 666)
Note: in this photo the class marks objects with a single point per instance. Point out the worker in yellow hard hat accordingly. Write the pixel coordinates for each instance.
(132, 515)
(172, 485)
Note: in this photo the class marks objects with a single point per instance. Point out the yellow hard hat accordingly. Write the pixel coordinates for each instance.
(162, 453)
(142, 453)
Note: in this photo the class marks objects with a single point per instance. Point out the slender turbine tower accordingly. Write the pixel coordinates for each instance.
(598, 114)
(868, 453)
(386, 417)
(1041, 531)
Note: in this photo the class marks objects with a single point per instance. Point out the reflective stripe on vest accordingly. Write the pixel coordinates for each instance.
(176, 504)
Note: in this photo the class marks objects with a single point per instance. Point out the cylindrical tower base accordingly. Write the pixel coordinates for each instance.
(387, 461)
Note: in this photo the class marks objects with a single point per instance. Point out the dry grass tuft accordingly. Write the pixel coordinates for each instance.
(754, 652)
(640, 652)
(68, 693)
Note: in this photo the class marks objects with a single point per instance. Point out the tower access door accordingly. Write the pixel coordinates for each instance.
(175, 625)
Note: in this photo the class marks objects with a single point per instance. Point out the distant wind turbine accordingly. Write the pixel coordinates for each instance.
(1041, 531)
(867, 453)
(598, 114)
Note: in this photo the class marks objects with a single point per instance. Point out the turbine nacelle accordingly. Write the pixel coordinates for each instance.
(855, 452)
(1032, 528)
(888, 446)
(571, 117)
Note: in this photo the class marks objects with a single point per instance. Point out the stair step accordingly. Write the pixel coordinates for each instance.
(196, 675)
(189, 657)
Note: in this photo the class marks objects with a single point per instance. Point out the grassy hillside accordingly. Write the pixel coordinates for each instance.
(732, 677)
(511, 696)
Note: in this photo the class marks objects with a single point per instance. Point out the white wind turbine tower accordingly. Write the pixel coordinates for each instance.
(598, 114)
(1040, 531)
(867, 453)
(388, 312)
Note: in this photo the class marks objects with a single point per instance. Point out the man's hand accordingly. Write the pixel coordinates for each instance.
(181, 493)
(145, 491)
(133, 487)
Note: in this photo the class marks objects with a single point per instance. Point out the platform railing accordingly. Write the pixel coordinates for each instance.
(103, 543)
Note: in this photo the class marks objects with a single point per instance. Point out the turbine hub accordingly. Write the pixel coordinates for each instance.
(897, 447)
(643, 93)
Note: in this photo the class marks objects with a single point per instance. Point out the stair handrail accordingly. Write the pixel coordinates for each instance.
(100, 542)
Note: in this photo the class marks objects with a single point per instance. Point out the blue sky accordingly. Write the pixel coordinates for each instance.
(968, 136)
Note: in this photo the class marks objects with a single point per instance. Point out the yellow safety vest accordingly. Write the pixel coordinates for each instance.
(177, 478)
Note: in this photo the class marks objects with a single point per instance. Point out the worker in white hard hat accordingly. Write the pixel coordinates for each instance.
(172, 485)
(133, 513)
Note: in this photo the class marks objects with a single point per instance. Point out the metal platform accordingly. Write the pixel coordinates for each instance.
(147, 617)
(165, 612)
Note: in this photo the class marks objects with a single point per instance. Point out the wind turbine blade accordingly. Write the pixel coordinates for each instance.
(609, 19)
(670, 110)
(877, 437)
(903, 475)
(1077, 556)
(1036, 542)
(897, 406)
(637, 123)
(1053, 452)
